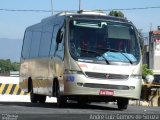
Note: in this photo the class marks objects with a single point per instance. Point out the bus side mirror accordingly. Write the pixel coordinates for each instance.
(59, 36)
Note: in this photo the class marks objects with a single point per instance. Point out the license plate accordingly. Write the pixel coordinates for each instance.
(106, 92)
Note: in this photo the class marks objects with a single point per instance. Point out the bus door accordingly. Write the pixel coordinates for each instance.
(57, 54)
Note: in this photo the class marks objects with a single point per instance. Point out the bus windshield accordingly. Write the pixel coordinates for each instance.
(97, 40)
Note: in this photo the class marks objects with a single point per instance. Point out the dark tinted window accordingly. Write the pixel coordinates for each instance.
(156, 78)
(26, 44)
(46, 41)
(53, 44)
(96, 40)
(60, 46)
(36, 37)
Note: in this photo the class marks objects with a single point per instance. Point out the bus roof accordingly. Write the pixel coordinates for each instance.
(87, 14)
(80, 14)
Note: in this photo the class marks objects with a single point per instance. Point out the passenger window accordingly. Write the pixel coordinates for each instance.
(35, 44)
(46, 41)
(53, 44)
(60, 45)
(26, 44)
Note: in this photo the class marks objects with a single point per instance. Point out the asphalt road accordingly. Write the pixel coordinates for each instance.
(50, 111)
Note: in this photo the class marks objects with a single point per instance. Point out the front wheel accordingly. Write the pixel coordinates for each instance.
(83, 101)
(122, 103)
(61, 100)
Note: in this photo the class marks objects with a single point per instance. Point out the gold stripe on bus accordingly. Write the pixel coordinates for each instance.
(9, 88)
(2, 88)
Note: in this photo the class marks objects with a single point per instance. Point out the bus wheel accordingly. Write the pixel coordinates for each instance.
(37, 98)
(122, 103)
(33, 97)
(41, 98)
(61, 100)
(82, 102)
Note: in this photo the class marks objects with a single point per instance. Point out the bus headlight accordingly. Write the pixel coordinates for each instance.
(132, 87)
(73, 72)
(136, 76)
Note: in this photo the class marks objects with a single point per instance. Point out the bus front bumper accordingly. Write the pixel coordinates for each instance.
(84, 86)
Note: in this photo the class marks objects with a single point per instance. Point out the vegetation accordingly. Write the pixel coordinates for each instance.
(116, 13)
(146, 71)
(7, 66)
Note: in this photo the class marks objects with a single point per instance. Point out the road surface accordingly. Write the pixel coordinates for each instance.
(94, 111)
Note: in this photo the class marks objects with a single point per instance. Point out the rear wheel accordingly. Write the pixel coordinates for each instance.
(41, 98)
(122, 103)
(34, 97)
(37, 98)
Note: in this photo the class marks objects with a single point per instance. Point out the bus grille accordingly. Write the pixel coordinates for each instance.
(106, 86)
(106, 76)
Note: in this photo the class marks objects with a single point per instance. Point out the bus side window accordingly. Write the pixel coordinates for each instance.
(45, 42)
(36, 37)
(26, 44)
(60, 43)
(53, 43)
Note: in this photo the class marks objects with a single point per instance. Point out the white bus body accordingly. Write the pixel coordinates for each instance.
(82, 57)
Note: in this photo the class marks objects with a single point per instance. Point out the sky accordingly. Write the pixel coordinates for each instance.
(13, 24)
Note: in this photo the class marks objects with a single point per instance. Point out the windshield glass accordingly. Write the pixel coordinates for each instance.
(96, 40)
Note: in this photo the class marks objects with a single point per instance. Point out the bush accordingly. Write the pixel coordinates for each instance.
(146, 71)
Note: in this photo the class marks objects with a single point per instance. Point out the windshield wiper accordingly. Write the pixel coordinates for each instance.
(92, 51)
(114, 50)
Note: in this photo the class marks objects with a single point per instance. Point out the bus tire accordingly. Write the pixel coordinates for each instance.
(29, 84)
(54, 87)
(82, 101)
(41, 98)
(33, 97)
(61, 100)
(122, 103)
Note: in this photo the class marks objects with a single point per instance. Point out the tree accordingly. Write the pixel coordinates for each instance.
(7, 66)
(15, 66)
(116, 13)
